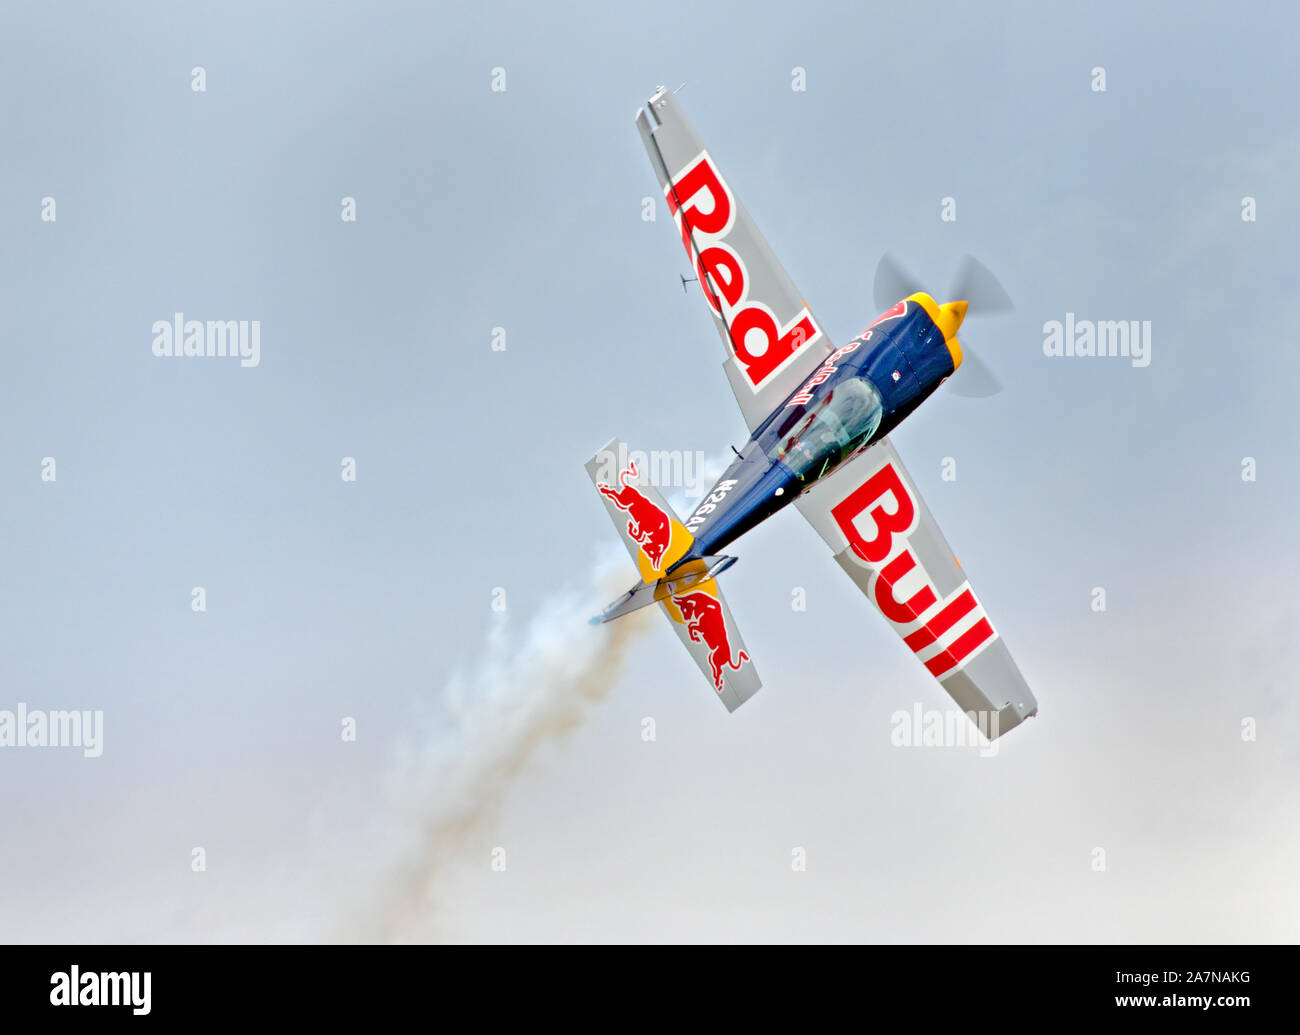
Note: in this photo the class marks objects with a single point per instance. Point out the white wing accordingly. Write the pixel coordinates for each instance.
(772, 340)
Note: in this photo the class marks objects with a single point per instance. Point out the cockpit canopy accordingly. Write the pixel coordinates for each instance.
(812, 439)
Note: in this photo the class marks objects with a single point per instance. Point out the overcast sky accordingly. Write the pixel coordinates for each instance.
(521, 209)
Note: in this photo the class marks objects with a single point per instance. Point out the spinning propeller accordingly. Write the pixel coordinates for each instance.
(983, 295)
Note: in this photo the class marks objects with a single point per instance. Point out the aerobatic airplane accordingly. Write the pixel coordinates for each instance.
(818, 417)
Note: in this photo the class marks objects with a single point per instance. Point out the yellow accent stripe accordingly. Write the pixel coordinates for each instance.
(679, 543)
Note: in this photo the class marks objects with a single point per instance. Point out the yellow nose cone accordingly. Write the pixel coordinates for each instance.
(951, 315)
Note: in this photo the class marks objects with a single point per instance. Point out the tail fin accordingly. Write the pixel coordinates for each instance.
(649, 528)
(691, 597)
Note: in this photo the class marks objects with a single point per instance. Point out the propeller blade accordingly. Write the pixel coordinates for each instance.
(893, 282)
(977, 285)
(973, 380)
(974, 284)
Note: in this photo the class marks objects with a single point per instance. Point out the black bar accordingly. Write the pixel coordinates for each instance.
(455, 985)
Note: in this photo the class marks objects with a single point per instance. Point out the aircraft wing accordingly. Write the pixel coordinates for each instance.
(772, 341)
(885, 537)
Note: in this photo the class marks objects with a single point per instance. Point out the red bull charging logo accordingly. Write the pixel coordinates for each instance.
(706, 624)
(647, 524)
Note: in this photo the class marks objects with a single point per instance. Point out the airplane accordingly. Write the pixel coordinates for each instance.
(819, 420)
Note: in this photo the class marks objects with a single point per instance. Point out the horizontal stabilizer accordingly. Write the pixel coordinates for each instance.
(643, 594)
(649, 528)
(690, 597)
(703, 622)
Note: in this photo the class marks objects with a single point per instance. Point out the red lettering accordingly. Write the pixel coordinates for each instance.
(884, 482)
(961, 647)
(714, 261)
(759, 346)
(760, 363)
(953, 612)
(701, 176)
(906, 611)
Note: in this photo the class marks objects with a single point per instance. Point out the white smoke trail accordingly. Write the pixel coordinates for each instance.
(449, 785)
(385, 877)
(524, 691)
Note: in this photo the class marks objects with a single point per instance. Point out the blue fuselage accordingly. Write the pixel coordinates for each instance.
(865, 390)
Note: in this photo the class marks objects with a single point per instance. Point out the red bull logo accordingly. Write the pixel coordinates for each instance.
(944, 632)
(648, 525)
(706, 624)
(705, 212)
